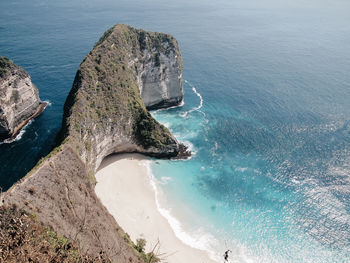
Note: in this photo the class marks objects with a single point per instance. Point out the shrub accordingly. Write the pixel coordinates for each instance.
(140, 245)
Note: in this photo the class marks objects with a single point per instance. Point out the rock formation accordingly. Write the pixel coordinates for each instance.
(158, 67)
(19, 99)
(104, 113)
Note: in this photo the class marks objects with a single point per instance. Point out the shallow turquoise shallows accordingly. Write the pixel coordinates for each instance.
(266, 114)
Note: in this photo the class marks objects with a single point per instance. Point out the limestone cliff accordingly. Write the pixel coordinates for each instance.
(158, 66)
(104, 113)
(19, 98)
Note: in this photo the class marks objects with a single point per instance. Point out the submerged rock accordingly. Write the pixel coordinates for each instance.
(19, 99)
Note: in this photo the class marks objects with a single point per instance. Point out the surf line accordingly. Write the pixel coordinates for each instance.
(200, 101)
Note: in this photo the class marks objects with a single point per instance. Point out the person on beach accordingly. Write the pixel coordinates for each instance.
(226, 255)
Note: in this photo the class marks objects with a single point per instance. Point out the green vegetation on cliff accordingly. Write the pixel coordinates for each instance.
(5, 63)
(24, 239)
(139, 249)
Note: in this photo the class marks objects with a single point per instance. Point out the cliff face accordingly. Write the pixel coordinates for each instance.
(19, 98)
(158, 67)
(104, 113)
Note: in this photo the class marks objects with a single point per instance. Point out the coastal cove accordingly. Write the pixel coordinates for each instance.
(125, 185)
(265, 116)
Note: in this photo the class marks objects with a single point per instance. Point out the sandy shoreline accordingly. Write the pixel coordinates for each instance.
(124, 187)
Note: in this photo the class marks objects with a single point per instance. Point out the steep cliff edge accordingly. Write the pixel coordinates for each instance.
(158, 66)
(60, 194)
(19, 99)
(104, 113)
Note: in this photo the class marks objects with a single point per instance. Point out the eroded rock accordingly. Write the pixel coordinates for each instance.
(19, 99)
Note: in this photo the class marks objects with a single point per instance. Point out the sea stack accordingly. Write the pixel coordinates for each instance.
(19, 99)
(104, 113)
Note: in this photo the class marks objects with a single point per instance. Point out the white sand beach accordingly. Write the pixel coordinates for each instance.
(124, 187)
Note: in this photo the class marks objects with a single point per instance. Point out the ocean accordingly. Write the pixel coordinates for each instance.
(266, 115)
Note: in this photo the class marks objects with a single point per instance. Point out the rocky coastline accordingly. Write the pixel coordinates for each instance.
(18, 128)
(19, 99)
(104, 113)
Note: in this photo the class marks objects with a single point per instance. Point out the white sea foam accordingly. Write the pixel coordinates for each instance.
(165, 180)
(214, 149)
(23, 130)
(241, 169)
(48, 103)
(199, 239)
(185, 114)
(190, 147)
(19, 135)
(182, 103)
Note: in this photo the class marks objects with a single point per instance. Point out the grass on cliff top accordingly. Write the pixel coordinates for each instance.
(139, 248)
(24, 239)
(5, 63)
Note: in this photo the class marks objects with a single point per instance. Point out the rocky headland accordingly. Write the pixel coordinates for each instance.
(106, 112)
(19, 99)
(128, 71)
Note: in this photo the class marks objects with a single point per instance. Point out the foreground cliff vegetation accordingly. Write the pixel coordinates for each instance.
(5, 63)
(153, 256)
(24, 239)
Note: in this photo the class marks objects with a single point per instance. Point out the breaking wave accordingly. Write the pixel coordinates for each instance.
(199, 239)
(198, 108)
(19, 135)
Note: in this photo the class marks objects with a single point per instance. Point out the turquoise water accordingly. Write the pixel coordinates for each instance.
(270, 175)
(240, 199)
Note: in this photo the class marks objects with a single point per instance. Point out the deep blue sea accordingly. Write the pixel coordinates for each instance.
(266, 113)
